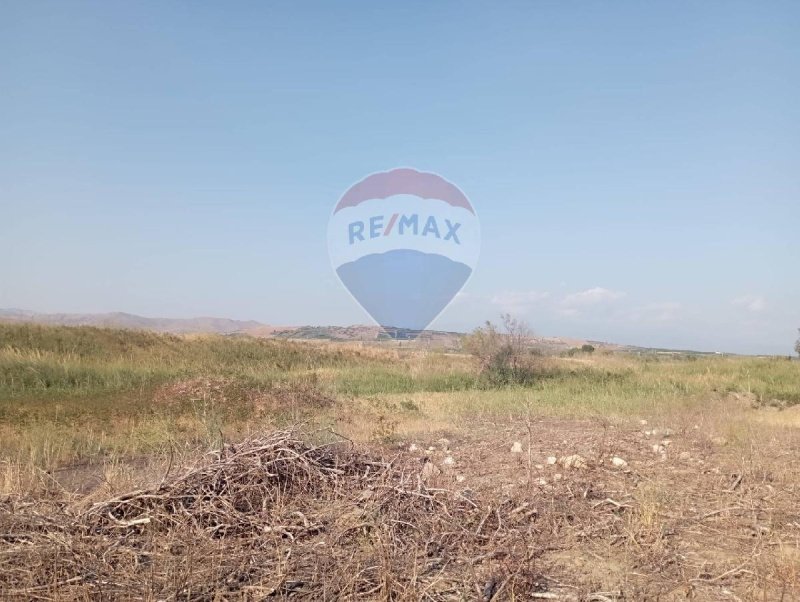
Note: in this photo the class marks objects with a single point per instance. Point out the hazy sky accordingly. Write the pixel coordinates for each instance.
(635, 166)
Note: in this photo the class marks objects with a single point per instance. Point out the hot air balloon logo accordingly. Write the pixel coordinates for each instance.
(404, 243)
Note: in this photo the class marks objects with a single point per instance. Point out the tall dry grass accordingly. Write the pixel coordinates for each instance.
(91, 395)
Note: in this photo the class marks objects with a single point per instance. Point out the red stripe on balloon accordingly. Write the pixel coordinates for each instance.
(391, 225)
(404, 181)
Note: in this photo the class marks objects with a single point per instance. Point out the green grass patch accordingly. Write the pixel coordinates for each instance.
(69, 394)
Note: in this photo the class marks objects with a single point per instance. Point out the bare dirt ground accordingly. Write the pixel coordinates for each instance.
(678, 515)
(543, 508)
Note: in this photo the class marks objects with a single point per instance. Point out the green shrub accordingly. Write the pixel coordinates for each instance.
(503, 358)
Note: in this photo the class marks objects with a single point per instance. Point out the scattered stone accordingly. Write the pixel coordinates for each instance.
(618, 462)
(516, 448)
(666, 442)
(413, 447)
(551, 460)
(449, 461)
(659, 449)
(539, 466)
(650, 433)
(460, 478)
(573, 461)
(557, 476)
(489, 589)
(684, 456)
(643, 422)
(667, 432)
(542, 481)
(444, 443)
(430, 470)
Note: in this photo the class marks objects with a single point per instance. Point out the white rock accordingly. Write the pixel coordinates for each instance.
(684, 455)
(667, 432)
(444, 443)
(573, 461)
(429, 471)
(557, 476)
(643, 422)
(516, 448)
(413, 447)
(460, 478)
(618, 462)
(449, 461)
(538, 466)
(542, 481)
(666, 442)
(659, 449)
(431, 449)
(551, 460)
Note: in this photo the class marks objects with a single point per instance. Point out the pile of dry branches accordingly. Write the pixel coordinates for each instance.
(275, 517)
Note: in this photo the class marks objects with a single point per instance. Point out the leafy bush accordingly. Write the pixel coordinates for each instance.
(504, 358)
(573, 351)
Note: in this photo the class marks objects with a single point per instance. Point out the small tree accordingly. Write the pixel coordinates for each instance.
(586, 348)
(483, 343)
(797, 344)
(518, 342)
(503, 358)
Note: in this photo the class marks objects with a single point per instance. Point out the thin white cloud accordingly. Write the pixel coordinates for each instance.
(752, 303)
(518, 301)
(666, 311)
(592, 296)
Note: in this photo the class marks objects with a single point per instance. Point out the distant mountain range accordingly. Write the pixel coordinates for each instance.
(124, 320)
(225, 326)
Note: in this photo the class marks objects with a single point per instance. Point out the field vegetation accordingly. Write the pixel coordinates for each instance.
(81, 394)
(87, 414)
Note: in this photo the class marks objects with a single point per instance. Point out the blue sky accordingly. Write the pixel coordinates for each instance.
(635, 166)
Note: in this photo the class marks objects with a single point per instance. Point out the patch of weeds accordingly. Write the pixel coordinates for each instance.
(409, 405)
(385, 430)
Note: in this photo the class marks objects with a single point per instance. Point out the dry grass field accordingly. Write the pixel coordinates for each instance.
(138, 466)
